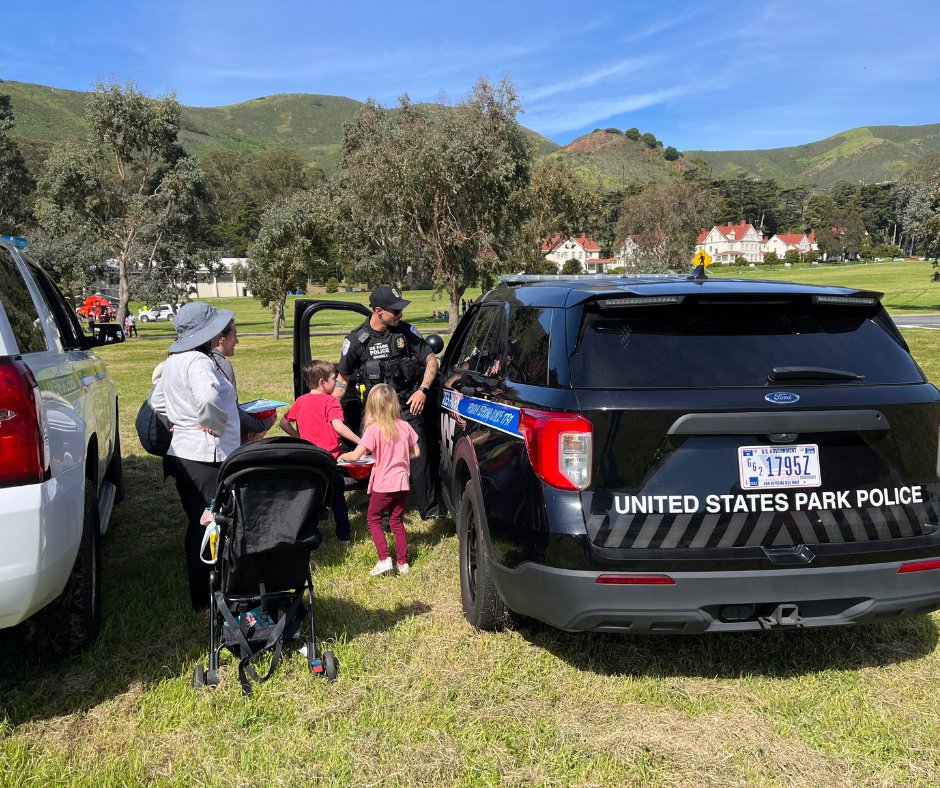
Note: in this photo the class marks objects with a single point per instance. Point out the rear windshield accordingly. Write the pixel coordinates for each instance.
(695, 346)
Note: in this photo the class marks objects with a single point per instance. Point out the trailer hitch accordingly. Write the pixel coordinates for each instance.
(785, 615)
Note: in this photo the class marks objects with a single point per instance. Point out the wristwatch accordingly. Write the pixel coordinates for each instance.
(424, 390)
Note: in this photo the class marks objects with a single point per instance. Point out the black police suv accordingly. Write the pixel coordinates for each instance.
(679, 455)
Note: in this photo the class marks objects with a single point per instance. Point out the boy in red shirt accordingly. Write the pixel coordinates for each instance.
(319, 419)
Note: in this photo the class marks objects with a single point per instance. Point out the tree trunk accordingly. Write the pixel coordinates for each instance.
(124, 295)
(456, 289)
(278, 311)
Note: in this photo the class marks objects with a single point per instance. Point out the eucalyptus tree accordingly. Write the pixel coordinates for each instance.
(557, 202)
(295, 236)
(16, 183)
(439, 181)
(918, 196)
(131, 188)
(664, 219)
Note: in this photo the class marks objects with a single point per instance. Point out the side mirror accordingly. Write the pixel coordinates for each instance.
(106, 334)
(435, 343)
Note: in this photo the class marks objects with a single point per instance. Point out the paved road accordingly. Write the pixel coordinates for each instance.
(917, 321)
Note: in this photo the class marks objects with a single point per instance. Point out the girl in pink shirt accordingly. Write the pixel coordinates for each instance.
(393, 444)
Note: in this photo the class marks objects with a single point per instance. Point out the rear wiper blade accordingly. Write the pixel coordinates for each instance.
(815, 374)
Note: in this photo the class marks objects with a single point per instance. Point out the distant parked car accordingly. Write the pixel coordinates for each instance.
(157, 313)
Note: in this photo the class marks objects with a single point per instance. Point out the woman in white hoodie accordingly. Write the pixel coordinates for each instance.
(202, 406)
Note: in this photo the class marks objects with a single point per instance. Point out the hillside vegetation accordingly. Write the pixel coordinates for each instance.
(869, 155)
(617, 161)
(310, 124)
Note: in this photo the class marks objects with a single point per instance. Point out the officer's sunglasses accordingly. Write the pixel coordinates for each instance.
(395, 312)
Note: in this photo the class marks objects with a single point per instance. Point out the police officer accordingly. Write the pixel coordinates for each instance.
(386, 349)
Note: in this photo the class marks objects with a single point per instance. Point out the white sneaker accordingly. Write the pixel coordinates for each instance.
(381, 567)
(403, 569)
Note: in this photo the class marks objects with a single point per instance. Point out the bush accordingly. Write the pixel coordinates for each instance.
(633, 134)
(649, 140)
(612, 130)
(771, 258)
(791, 256)
(572, 266)
(887, 251)
(332, 285)
(670, 154)
(811, 256)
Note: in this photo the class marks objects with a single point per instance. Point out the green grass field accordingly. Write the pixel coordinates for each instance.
(907, 285)
(425, 700)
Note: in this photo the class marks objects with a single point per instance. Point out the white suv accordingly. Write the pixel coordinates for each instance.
(155, 313)
(60, 457)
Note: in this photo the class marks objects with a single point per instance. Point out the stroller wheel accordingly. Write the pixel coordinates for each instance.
(329, 665)
(212, 678)
(199, 676)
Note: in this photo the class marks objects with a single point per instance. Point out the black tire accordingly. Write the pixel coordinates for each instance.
(329, 666)
(115, 471)
(71, 623)
(482, 606)
(199, 676)
(144, 319)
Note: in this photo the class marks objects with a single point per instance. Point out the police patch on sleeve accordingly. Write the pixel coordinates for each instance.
(345, 346)
(414, 330)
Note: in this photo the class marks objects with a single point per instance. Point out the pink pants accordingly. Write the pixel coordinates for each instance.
(394, 504)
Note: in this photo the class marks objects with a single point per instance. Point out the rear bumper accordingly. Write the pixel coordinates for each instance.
(40, 530)
(717, 601)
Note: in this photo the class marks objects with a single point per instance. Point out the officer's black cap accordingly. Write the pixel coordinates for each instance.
(387, 298)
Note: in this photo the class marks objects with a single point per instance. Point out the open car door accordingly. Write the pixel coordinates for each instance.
(305, 310)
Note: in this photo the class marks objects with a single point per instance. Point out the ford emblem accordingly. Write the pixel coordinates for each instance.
(782, 397)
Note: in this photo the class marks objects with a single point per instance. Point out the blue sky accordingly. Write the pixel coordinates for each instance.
(710, 75)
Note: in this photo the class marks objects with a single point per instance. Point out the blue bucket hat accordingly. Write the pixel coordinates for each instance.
(197, 323)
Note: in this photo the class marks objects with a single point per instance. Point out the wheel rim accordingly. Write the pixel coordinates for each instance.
(472, 559)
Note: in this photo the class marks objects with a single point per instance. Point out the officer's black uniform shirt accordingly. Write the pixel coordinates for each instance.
(402, 341)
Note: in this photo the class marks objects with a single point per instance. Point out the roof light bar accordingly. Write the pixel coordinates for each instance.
(17, 240)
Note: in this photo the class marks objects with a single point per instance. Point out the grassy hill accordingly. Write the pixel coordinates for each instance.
(871, 155)
(310, 124)
(616, 160)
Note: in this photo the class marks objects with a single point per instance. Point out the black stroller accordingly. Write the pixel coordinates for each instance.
(271, 495)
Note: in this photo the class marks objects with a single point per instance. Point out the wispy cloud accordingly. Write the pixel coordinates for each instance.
(628, 66)
(578, 114)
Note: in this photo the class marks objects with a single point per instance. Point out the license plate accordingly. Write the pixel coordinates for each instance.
(762, 467)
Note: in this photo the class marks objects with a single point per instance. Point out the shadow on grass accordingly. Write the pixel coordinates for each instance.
(149, 633)
(780, 654)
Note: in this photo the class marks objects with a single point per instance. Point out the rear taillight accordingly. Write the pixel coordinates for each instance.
(559, 446)
(22, 437)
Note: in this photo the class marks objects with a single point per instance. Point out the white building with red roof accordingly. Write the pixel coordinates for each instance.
(781, 243)
(726, 242)
(583, 249)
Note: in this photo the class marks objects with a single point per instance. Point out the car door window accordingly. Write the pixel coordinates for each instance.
(19, 307)
(527, 351)
(482, 351)
(66, 322)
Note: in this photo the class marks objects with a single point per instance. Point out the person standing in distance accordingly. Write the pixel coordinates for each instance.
(386, 349)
